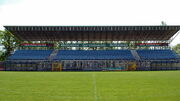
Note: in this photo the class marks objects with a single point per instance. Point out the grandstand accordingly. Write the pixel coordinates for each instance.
(151, 53)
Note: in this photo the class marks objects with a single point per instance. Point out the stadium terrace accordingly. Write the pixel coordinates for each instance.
(93, 48)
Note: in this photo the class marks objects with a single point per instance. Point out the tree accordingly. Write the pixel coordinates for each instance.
(163, 23)
(10, 43)
(177, 48)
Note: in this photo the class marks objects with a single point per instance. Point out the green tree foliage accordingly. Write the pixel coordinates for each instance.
(163, 23)
(1, 54)
(177, 48)
(10, 43)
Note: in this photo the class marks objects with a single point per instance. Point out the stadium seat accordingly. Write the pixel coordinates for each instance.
(94, 55)
(30, 55)
(156, 54)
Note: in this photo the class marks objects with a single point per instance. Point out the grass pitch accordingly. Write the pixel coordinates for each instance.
(90, 86)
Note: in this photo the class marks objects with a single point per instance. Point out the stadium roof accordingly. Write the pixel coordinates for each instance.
(93, 33)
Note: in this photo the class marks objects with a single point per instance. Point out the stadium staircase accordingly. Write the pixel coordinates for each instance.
(52, 55)
(135, 54)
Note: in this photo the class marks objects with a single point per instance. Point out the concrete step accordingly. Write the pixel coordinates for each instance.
(53, 54)
(135, 54)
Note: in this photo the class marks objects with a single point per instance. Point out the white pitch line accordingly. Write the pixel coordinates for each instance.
(95, 88)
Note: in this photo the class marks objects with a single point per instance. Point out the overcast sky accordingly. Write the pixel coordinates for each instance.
(90, 12)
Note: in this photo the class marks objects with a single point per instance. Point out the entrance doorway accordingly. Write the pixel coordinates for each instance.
(56, 67)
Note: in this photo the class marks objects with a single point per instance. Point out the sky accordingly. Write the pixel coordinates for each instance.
(90, 12)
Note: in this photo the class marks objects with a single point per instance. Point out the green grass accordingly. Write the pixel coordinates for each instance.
(90, 86)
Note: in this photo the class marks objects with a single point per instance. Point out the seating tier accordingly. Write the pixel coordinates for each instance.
(30, 55)
(94, 55)
(156, 54)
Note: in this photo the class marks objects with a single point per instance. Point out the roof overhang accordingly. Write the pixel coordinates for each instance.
(93, 33)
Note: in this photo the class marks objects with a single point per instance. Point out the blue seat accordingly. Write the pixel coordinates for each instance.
(156, 54)
(30, 55)
(94, 55)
